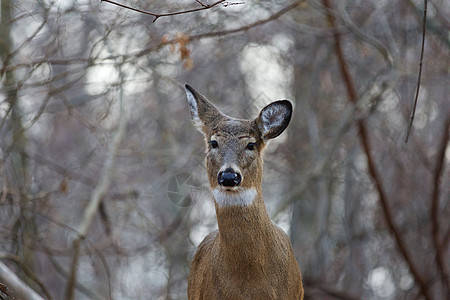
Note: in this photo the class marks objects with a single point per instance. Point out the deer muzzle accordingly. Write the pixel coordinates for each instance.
(229, 178)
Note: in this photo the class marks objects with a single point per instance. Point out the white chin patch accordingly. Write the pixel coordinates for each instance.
(238, 197)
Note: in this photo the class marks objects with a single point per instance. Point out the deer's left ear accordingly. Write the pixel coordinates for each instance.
(274, 118)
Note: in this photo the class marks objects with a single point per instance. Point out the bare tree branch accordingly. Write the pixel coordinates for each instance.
(375, 43)
(364, 138)
(438, 25)
(140, 53)
(251, 25)
(320, 166)
(59, 269)
(419, 76)
(353, 113)
(96, 198)
(14, 283)
(29, 273)
(225, 32)
(157, 16)
(437, 176)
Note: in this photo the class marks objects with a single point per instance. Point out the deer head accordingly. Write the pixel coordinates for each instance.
(235, 146)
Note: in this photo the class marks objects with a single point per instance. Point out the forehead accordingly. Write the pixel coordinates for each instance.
(235, 127)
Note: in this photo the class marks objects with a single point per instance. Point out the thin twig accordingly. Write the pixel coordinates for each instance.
(157, 16)
(373, 172)
(419, 77)
(201, 3)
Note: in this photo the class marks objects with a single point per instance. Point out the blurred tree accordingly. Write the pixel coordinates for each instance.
(102, 185)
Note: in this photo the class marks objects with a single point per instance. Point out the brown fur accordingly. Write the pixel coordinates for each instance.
(248, 257)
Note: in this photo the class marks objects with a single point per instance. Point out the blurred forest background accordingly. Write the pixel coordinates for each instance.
(103, 192)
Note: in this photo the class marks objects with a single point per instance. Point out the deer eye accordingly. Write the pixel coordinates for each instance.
(213, 144)
(251, 146)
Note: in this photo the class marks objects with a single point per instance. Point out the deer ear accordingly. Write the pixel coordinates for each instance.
(274, 118)
(203, 113)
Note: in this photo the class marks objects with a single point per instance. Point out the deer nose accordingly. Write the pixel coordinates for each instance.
(229, 177)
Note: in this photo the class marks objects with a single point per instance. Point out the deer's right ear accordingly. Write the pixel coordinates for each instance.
(274, 118)
(203, 113)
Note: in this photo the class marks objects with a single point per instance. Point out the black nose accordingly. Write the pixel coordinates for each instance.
(229, 177)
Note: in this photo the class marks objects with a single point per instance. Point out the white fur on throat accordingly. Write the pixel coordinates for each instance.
(241, 197)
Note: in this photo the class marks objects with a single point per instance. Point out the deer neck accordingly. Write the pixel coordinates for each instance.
(246, 233)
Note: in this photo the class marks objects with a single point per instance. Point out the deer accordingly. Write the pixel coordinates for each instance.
(249, 256)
